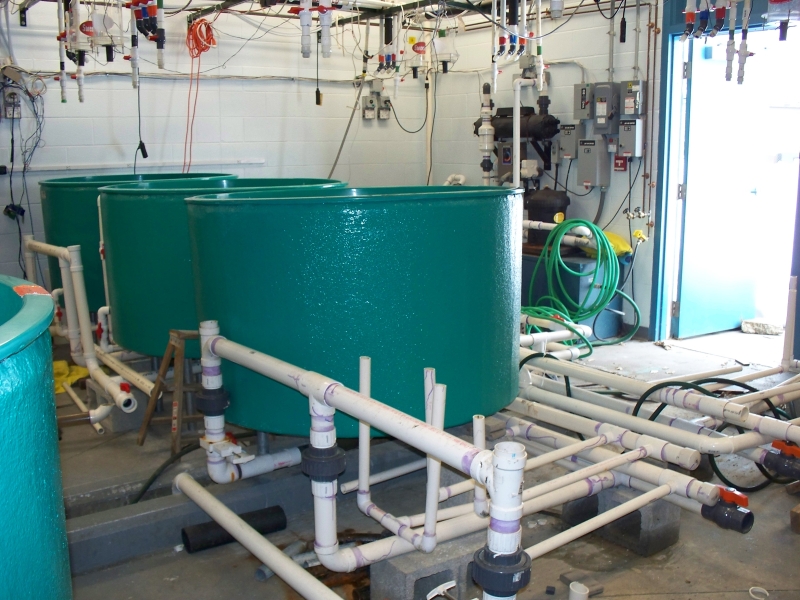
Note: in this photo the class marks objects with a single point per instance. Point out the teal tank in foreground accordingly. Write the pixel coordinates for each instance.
(148, 256)
(412, 277)
(69, 212)
(33, 544)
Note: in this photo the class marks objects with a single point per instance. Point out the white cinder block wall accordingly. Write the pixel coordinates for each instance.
(258, 117)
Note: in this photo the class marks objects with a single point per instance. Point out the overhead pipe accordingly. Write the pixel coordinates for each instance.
(325, 19)
(62, 50)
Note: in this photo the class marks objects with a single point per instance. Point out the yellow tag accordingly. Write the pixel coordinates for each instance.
(558, 217)
(412, 40)
(639, 235)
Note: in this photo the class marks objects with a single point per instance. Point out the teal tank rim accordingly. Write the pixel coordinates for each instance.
(168, 187)
(344, 195)
(92, 181)
(34, 311)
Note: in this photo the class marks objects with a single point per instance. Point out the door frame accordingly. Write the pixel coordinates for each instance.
(661, 296)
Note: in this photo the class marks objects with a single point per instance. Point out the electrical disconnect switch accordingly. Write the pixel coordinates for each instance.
(630, 138)
(583, 101)
(633, 97)
(606, 107)
(568, 141)
(594, 166)
(11, 105)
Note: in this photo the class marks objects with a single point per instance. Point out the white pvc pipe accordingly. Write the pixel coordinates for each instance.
(294, 575)
(96, 415)
(102, 249)
(518, 85)
(134, 377)
(30, 259)
(683, 457)
(542, 226)
(580, 405)
(434, 473)
(479, 503)
(697, 376)
(597, 522)
(124, 400)
(417, 465)
(688, 399)
(71, 314)
(457, 453)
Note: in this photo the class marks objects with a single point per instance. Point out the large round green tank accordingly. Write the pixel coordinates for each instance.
(33, 545)
(69, 211)
(148, 259)
(412, 277)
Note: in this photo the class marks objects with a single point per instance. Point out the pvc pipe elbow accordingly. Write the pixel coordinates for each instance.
(101, 412)
(427, 543)
(221, 471)
(364, 501)
(338, 560)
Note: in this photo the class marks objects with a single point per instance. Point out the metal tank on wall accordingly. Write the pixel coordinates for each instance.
(412, 277)
(148, 258)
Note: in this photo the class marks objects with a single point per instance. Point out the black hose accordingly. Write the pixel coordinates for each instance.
(728, 482)
(661, 386)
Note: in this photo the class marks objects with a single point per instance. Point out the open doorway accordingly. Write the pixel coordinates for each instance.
(733, 212)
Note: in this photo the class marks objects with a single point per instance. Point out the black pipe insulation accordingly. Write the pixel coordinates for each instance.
(388, 35)
(513, 12)
(211, 534)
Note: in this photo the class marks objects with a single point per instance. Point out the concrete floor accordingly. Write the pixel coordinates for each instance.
(708, 563)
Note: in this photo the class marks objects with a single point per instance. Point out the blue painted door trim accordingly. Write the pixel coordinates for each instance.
(672, 26)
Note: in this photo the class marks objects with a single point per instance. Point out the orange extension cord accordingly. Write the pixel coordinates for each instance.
(199, 39)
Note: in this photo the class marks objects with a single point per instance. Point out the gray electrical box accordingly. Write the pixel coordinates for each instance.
(606, 107)
(633, 97)
(583, 106)
(568, 141)
(505, 162)
(630, 138)
(594, 167)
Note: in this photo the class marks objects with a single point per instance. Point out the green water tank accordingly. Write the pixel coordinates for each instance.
(412, 277)
(148, 259)
(69, 211)
(33, 544)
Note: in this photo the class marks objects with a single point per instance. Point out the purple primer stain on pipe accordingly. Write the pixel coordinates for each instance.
(360, 560)
(663, 451)
(466, 460)
(213, 346)
(501, 526)
(212, 371)
(329, 391)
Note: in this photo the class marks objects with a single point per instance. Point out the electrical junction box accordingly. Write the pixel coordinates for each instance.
(606, 107)
(583, 107)
(630, 138)
(633, 97)
(385, 108)
(11, 104)
(369, 106)
(568, 141)
(594, 167)
(505, 159)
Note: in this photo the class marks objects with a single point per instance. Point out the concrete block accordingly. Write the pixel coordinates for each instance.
(413, 575)
(761, 327)
(646, 531)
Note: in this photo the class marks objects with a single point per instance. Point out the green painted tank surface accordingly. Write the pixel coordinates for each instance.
(69, 211)
(33, 545)
(148, 256)
(412, 277)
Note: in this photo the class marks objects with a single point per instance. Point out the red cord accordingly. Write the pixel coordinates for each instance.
(199, 39)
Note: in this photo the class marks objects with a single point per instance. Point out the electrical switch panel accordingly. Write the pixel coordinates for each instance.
(606, 107)
(369, 106)
(505, 162)
(583, 107)
(594, 167)
(568, 141)
(630, 138)
(633, 97)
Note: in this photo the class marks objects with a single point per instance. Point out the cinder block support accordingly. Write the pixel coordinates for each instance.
(646, 531)
(412, 576)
